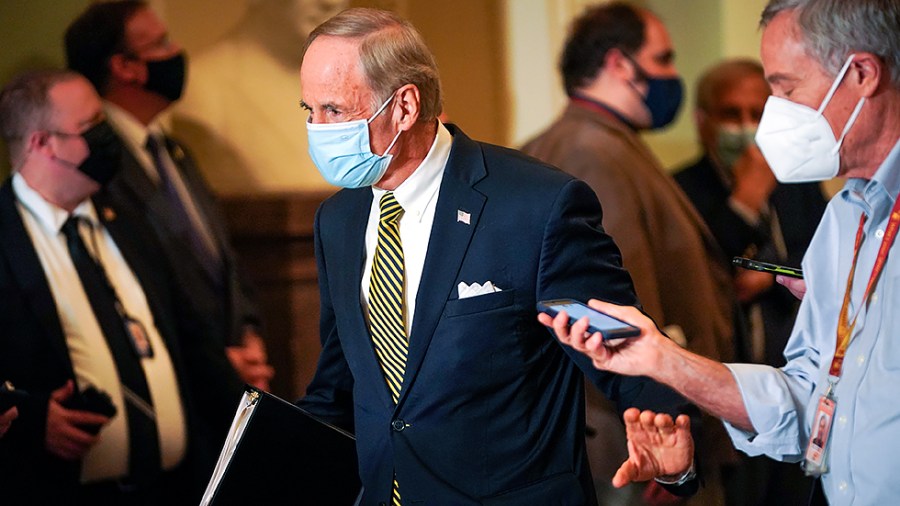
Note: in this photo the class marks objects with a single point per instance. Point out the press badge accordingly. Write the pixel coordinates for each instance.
(140, 341)
(814, 463)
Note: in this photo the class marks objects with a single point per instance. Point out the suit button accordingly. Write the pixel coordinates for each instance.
(398, 425)
(382, 503)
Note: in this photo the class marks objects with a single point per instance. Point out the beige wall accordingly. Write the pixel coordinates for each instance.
(32, 38)
(497, 57)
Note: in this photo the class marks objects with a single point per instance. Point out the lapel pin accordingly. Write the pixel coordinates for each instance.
(109, 214)
(177, 153)
(463, 217)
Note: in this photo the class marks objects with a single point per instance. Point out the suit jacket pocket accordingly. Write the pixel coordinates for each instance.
(479, 303)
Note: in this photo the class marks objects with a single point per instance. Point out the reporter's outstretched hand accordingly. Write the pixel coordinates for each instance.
(633, 356)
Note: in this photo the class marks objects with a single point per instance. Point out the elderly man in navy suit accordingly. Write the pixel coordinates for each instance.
(431, 262)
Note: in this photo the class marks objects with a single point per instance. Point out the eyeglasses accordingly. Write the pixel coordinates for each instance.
(62, 134)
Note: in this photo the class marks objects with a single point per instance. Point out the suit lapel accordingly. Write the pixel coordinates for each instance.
(447, 246)
(130, 237)
(346, 292)
(28, 273)
(144, 193)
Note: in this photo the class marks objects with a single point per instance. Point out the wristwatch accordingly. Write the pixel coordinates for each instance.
(676, 480)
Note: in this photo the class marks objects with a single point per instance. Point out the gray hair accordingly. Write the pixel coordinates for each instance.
(721, 77)
(25, 107)
(392, 54)
(833, 29)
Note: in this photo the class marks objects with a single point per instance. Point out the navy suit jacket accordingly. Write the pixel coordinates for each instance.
(492, 405)
(35, 357)
(222, 300)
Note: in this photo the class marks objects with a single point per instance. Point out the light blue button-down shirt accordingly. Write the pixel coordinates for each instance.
(864, 450)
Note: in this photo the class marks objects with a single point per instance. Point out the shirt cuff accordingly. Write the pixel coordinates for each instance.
(773, 412)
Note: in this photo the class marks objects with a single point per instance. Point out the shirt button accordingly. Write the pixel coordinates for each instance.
(860, 360)
(398, 425)
(879, 233)
(842, 486)
(842, 420)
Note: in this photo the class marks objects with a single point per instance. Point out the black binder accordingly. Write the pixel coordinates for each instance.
(277, 453)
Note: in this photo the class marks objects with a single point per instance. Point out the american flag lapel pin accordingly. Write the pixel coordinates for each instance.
(463, 217)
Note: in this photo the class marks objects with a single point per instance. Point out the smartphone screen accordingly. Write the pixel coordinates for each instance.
(610, 327)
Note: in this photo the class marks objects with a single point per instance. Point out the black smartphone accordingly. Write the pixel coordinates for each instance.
(756, 265)
(10, 396)
(610, 327)
(94, 400)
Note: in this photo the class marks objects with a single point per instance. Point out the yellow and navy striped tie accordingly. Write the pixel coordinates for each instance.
(386, 320)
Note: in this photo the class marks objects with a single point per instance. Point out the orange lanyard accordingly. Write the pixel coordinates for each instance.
(845, 325)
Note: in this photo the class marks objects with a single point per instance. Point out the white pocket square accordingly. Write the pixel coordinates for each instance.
(466, 291)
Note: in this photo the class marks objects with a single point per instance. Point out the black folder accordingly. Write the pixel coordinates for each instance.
(277, 453)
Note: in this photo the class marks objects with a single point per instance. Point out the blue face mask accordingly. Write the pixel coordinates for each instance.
(343, 155)
(663, 98)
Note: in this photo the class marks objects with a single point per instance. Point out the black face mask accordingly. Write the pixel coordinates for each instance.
(105, 156)
(166, 77)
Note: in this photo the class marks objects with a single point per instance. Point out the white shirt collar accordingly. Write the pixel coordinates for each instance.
(49, 216)
(132, 131)
(420, 188)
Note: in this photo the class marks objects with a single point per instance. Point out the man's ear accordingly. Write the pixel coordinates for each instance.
(615, 63)
(867, 74)
(408, 107)
(127, 70)
(37, 139)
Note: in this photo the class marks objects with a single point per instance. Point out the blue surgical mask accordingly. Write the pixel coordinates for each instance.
(343, 155)
(663, 98)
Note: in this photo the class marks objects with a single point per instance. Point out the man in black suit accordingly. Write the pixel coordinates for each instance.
(123, 48)
(431, 262)
(751, 215)
(748, 212)
(89, 302)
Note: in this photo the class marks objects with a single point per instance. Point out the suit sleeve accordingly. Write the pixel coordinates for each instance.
(330, 394)
(602, 171)
(579, 260)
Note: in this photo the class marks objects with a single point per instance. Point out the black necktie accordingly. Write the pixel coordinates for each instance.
(144, 458)
(209, 259)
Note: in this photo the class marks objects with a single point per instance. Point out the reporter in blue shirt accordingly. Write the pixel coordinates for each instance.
(834, 68)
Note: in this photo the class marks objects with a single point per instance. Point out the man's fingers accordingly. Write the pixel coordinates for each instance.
(625, 474)
(545, 319)
(561, 326)
(77, 417)
(64, 392)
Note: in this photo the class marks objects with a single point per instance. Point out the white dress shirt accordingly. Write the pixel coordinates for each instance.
(418, 198)
(92, 360)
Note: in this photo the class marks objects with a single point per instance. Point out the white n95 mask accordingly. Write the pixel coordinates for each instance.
(797, 140)
(343, 155)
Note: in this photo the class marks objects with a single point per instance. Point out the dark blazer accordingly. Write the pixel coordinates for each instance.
(35, 357)
(798, 207)
(222, 300)
(491, 409)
